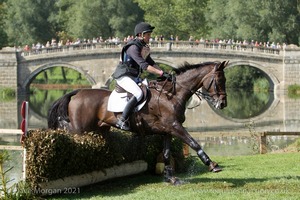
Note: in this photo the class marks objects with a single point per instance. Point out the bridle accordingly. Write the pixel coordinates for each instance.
(209, 96)
(216, 91)
(202, 95)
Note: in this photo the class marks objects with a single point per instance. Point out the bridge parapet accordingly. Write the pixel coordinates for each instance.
(164, 45)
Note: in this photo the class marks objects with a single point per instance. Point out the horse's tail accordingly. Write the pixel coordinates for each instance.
(59, 110)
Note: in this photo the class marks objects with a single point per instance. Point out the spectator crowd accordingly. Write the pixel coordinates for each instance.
(157, 39)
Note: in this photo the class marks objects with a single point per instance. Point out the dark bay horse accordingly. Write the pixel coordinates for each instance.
(85, 110)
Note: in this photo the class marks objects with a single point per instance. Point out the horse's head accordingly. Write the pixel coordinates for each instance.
(214, 86)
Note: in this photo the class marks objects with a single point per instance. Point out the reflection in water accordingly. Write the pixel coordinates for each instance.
(242, 104)
(41, 100)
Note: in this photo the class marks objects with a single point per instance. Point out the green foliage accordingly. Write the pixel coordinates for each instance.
(56, 154)
(261, 84)
(254, 20)
(3, 35)
(28, 21)
(109, 18)
(176, 17)
(294, 91)
(242, 105)
(7, 94)
(242, 77)
(18, 190)
(32, 21)
(57, 75)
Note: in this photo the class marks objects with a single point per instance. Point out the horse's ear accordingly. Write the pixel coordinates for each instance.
(226, 63)
(223, 65)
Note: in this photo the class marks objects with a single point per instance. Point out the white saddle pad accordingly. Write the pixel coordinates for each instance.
(117, 101)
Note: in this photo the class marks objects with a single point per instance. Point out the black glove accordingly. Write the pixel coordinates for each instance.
(165, 76)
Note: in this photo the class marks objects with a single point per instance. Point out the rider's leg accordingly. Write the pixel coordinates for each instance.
(130, 86)
(122, 121)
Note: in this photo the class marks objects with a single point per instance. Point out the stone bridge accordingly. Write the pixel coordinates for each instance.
(97, 62)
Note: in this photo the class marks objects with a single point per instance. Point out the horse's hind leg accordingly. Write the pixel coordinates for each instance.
(168, 171)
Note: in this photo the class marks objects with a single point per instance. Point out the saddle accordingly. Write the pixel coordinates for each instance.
(143, 87)
(119, 98)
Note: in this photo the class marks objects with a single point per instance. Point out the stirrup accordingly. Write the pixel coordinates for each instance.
(123, 124)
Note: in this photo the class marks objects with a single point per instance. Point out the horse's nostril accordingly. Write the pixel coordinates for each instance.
(223, 105)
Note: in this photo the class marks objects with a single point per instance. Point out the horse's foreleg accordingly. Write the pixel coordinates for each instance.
(168, 170)
(187, 138)
(212, 166)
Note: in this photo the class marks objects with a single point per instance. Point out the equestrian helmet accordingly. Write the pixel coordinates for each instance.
(143, 27)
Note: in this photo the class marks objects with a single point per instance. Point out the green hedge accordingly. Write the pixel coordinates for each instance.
(56, 154)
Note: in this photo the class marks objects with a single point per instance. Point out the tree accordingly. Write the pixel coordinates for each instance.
(176, 17)
(94, 18)
(126, 14)
(269, 20)
(27, 21)
(283, 18)
(3, 35)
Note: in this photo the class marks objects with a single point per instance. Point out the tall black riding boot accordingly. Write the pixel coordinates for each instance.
(122, 121)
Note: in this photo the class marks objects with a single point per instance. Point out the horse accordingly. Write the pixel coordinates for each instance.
(85, 110)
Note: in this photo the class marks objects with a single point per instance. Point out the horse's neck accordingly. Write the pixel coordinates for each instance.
(189, 84)
(183, 92)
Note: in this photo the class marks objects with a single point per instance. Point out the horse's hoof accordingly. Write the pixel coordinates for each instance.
(174, 181)
(214, 167)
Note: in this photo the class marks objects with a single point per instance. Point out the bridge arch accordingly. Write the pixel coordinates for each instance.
(272, 79)
(37, 71)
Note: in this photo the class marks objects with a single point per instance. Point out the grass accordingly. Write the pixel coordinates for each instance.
(269, 176)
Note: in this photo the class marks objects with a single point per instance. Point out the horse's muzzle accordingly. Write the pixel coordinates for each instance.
(221, 102)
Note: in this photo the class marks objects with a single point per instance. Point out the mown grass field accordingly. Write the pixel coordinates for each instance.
(269, 176)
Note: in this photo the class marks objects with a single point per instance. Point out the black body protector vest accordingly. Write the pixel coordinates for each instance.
(127, 65)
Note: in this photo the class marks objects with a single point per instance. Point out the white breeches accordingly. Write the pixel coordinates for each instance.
(130, 86)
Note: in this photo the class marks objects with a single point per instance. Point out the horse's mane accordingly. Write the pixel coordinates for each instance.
(187, 66)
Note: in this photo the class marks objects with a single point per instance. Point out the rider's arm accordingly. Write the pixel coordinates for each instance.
(155, 70)
(148, 64)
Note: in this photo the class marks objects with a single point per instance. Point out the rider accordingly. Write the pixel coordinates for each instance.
(135, 58)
